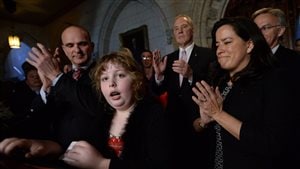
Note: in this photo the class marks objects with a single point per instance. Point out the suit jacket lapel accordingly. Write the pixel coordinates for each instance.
(193, 57)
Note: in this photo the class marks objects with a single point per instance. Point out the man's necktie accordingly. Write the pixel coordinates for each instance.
(183, 57)
(77, 73)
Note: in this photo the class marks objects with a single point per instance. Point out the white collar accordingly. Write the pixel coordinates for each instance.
(275, 48)
(188, 49)
(75, 67)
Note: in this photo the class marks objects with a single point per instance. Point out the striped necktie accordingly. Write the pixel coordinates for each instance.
(77, 73)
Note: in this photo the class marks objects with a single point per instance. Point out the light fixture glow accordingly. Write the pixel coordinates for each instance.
(14, 41)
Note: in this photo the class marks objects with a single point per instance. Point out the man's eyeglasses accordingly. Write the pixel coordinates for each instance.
(146, 57)
(267, 27)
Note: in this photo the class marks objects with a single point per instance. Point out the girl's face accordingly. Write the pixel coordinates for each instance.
(116, 86)
(232, 51)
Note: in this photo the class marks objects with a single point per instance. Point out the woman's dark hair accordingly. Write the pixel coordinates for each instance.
(261, 55)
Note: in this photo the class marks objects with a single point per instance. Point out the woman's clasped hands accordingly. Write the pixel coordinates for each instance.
(209, 100)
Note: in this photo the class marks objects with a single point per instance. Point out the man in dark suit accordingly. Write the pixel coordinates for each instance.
(74, 101)
(272, 23)
(176, 73)
(27, 122)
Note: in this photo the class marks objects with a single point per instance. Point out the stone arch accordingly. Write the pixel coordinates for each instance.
(114, 11)
(210, 12)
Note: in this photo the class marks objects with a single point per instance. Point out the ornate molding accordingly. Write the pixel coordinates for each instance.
(206, 14)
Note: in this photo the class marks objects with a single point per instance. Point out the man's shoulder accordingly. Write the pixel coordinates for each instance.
(173, 53)
(205, 53)
(286, 51)
(201, 48)
(92, 65)
(287, 56)
(196, 48)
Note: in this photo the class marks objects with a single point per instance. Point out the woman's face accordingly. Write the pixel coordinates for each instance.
(147, 59)
(233, 52)
(116, 86)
